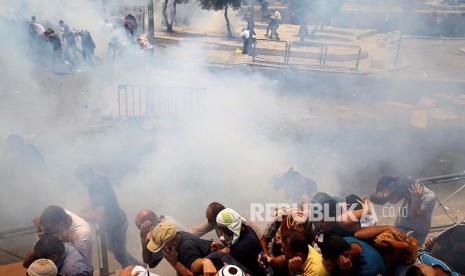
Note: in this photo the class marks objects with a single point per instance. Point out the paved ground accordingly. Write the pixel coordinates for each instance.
(416, 58)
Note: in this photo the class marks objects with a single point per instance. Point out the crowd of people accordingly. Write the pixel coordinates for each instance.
(64, 42)
(321, 235)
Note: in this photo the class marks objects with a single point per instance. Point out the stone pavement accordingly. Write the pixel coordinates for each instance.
(378, 52)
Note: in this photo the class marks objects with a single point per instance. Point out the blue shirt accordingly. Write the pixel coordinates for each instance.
(370, 262)
(73, 263)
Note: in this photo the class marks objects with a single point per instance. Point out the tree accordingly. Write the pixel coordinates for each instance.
(169, 22)
(217, 5)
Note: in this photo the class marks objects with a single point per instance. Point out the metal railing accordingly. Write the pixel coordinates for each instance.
(17, 232)
(323, 55)
(441, 179)
(308, 54)
(444, 179)
(272, 51)
(32, 230)
(139, 101)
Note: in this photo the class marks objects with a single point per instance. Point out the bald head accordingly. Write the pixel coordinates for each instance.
(145, 215)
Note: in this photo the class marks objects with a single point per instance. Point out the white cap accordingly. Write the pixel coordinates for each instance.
(42, 267)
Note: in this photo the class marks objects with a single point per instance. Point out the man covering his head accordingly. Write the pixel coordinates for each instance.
(66, 257)
(145, 221)
(245, 245)
(285, 220)
(417, 207)
(302, 258)
(67, 226)
(185, 252)
(232, 221)
(351, 256)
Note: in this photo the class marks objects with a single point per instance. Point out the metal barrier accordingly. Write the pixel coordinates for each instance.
(30, 230)
(322, 55)
(139, 101)
(307, 54)
(102, 253)
(441, 179)
(271, 51)
(392, 43)
(444, 179)
(338, 55)
(16, 232)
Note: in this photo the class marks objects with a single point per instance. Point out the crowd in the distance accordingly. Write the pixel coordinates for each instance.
(343, 240)
(64, 41)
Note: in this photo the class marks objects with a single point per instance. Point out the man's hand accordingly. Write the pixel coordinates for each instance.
(304, 198)
(344, 263)
(36, 221)
(264, 263)
(365, 203)
(416, 190)
(429, 241)
(170, 254)
(145, 228)
(295, 265)
(214, 246)
(40, 230)
(209, 268)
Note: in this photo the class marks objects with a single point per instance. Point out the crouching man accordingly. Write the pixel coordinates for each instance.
(185, 252)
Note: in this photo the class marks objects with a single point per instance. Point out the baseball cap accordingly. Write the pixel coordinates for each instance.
(391, 184)
(42, 267)
(384, 188)
(164, 232)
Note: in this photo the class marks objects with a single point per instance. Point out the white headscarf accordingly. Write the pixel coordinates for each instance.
(232, 220)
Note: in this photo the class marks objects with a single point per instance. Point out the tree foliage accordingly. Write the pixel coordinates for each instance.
(217, 5)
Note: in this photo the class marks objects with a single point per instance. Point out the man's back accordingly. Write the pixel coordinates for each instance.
(247, 249)
(80, 234)
(73, 263)
(191, 248)
(55, 41)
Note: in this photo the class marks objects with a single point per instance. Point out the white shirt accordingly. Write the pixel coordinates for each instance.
(245, 34)
(39, 29)
(80, 235)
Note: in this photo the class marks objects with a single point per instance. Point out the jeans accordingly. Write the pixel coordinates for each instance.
(116, 242)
